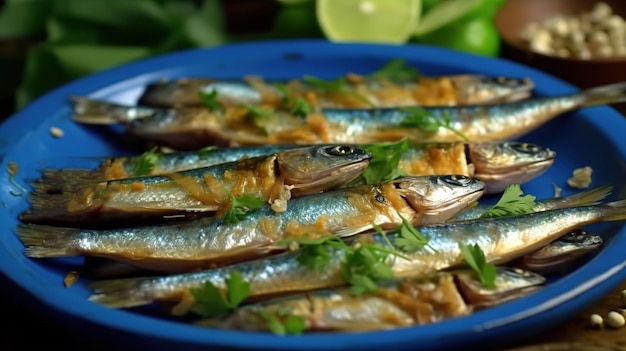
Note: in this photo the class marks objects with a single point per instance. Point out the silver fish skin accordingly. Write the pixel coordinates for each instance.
(197, 128)
(501, 239)
(468, 89)
(561, 255)
(589, 197)
(500, 164)
(275, 177)
(399, 303)
(206, 242)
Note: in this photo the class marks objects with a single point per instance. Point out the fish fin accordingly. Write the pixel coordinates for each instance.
(56, 181)
(616, 211)
(46, 241)
(588, 197)
(606, 94)
(92, 111)
(45, 205)
(119, 293)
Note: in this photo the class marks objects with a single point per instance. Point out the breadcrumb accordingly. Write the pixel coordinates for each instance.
(581, 178)
(56, 132)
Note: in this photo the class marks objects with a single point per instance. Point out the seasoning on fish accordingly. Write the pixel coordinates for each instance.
(399, 303)
(501, 239)
(273, 179)
(206, 242)
(395, 84)
(193, 128)
(584, 198)
(497, 164)
(560, 255)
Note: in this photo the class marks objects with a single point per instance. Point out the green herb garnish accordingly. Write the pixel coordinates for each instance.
(396, 70)
(409, 239)
(205, 151)
(146, 162)
(511, 203)
(339, 85)
(212, 301)
(283, 322)
(427, 121)
(257, 112)
(240, 207)
(475, 258)
(385, 160)
(210, 100)
(298, 107)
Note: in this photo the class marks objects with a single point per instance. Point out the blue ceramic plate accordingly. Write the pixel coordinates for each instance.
(592, 137)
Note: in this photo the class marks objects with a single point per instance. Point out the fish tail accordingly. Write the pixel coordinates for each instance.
(44, 204)
(46, 241)
(92, 111)
(606, 94)
(119, 293)
(615, 211)
(589, 197)
(58, 180)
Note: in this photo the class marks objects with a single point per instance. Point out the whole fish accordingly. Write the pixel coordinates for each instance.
(206, 242)
(501, 239)
(400, 303)
(497, 164)
(273, 178)
(588, 197)
(194, 128)
(353, 91)
(560, 255)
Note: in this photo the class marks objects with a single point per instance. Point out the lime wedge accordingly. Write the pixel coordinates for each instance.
(376, 21)
(444, 13)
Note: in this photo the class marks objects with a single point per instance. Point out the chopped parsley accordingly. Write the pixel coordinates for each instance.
(240, 207)
(385, 161)
(298, 106)
(210, 100)
(511, 203)
(427, 121)
(396, 70)
(283, 322)
(475, 258)
(339, 86)
(409, 239)
(212, 301)
(146, 162)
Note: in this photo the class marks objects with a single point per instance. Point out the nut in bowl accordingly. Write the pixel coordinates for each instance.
(582, 41)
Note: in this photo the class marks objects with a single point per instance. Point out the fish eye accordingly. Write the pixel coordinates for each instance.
(577, 236)
(339, 150)
(457, 180)
(526, 148)
(380, 198)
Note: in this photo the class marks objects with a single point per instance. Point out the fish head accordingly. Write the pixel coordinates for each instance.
(559, 254)
(315, 169)
(510, 283)
(439, 197)
(480, 89)
(500, 164)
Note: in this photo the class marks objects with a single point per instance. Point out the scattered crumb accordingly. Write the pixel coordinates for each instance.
(70, 278)
(56, 132)
(581, 178)
(557, 190)
(12, 168)
(184, 305)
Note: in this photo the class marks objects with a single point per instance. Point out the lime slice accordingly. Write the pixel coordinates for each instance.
(377, 21)
(444, 13)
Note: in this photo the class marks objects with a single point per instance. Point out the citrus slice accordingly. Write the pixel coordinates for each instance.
(444, 13)
(377, 21)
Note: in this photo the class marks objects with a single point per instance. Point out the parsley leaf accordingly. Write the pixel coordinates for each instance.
(385, 161)
(409, 239)
(364, 265)
(427, 121)
(241, 205)
(257, 112)
(298, 107)
(212, 301)
(315, 253)
(206, 151)
(339, 86)
(146, 162)
(396, 70)
(511, 203)
(475, 258)
(210, 100)
(283, 322)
